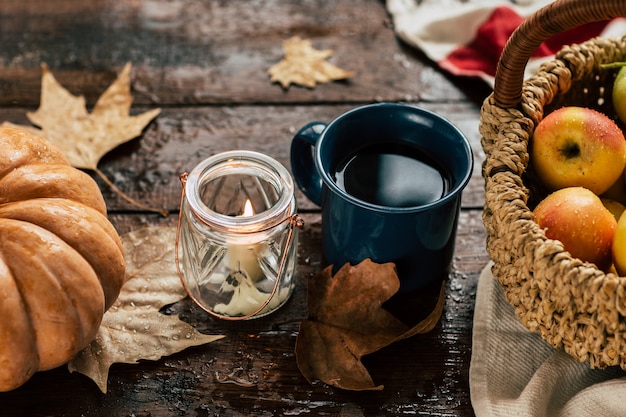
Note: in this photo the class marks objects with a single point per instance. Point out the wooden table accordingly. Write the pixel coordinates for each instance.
(204, 63)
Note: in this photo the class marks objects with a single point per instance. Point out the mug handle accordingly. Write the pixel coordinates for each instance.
(302, 164)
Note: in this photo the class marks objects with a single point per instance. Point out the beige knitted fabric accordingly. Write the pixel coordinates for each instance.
(514, 372)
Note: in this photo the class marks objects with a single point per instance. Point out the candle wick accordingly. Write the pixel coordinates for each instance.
(235, 279)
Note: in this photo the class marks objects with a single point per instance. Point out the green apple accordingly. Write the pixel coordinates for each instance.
(576, 217)
(578, 147)
(619, 94)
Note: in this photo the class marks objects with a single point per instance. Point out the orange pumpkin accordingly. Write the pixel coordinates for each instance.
(61, 260)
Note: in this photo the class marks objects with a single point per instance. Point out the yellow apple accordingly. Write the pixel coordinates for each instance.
(617, 191)
(578, 147)
(577, 217)
(615, 207)
(619, 246)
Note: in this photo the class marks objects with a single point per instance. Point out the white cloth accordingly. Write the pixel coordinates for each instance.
(465, 37)
(514, 372)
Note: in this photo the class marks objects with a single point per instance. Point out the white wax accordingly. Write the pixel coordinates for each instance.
(243, 258)
(247, 299)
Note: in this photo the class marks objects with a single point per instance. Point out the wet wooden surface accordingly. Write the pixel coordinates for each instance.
(204, 63)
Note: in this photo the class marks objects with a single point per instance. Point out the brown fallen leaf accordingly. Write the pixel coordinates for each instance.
(83, 137)
(133, 329)
(305, 65)
(347, 321)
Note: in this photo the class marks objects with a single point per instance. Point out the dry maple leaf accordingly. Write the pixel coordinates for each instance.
(305, 65)
(133, 329)
(347, 321)
(84, 138)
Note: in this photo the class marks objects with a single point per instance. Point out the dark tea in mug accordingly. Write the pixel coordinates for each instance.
(392, 175)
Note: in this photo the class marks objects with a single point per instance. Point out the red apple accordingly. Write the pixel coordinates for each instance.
(577, 217)
(578, 147)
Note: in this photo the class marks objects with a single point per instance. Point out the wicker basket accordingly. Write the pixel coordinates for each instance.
(571, 304)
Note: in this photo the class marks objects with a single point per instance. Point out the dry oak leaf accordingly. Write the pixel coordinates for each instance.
(305, 65)
(347, 321)
(134, 329)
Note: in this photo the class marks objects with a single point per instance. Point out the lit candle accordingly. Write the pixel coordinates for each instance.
(243, 262)
(243, 258)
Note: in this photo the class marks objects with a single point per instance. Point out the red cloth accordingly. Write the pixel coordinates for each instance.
(483, 52)
(467, 37)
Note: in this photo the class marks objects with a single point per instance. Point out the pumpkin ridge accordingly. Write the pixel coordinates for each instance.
(61, 324)
(53, 181)
(19, 358)
(20, 147)
(78, 330)
(63, 218)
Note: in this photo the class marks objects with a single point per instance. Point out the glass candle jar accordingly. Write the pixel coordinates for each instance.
(237, 235)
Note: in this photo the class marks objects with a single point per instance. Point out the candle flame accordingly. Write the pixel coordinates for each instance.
(247, 209)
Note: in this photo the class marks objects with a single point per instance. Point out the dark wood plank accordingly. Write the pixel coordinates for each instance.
(188, 52)
(148, 168)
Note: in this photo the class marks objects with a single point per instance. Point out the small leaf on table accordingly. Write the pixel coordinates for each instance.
(305, 65)
(134, 328)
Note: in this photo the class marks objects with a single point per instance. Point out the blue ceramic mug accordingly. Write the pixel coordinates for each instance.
(388, 178)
